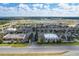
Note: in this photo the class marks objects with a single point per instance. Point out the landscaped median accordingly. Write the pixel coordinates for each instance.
(15, 45)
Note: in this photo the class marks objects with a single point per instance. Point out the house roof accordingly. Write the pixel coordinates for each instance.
(50, 36)
(14, 36)
(11, 29)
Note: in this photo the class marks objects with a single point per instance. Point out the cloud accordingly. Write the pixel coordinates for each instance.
(24, 6)
(8, 11)
(40, 10)
(67, 7)
(64, 6)
(46, 7)
(41, 6)
(37, 6)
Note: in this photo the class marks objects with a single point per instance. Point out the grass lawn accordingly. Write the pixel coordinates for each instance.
(71, 43)
(19, 45)
(27, 44)
(4, 44)
(65, 44)
(35, 54)
(15, 45)
(3, 22)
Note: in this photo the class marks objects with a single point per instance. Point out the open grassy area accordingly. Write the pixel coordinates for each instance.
(4, 44)
(3, 22)
(27, 44)
(15, 45)
(63, 43)
(36, 54)
(71, 43)
(19, 45)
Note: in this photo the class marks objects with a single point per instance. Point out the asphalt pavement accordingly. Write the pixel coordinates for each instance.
(36, 48)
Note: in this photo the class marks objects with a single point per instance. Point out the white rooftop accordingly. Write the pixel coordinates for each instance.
(19, 36)
(50, 36)
(11, 29)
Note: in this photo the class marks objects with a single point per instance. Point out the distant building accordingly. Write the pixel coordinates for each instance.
(16, 37)
(48, 37)
(24, 29)
(50, 28)
(10, 30)
(46, 32)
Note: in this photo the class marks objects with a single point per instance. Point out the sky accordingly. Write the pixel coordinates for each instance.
(39, 9)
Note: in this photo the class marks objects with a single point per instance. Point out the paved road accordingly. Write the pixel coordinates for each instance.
(38, 48)
(27, 50)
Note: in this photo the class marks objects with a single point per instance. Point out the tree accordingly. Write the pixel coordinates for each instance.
(30, 38)
(1, 37)
(36, 36)
(34, 29)
(1, 41)
(53, 41)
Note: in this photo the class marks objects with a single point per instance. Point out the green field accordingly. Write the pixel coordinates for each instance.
(15, 45)
(65, 44)
(3, 22)
(70, 43)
